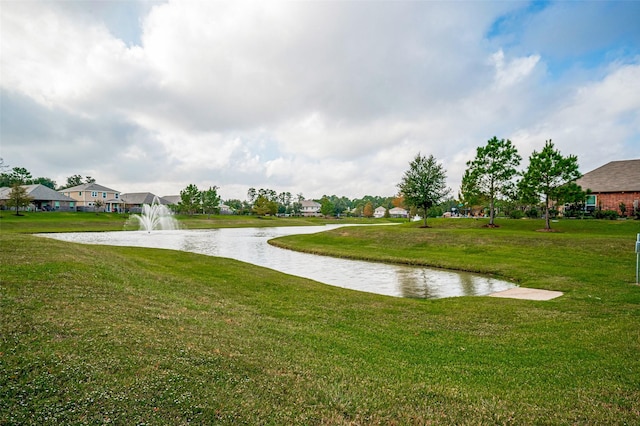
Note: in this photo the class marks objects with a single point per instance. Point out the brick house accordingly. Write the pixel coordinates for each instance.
(614, 183)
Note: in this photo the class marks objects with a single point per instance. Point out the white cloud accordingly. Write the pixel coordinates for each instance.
(311, 97)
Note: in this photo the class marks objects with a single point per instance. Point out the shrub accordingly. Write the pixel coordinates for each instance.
(516, 214)
(606, 214)
(532, 213)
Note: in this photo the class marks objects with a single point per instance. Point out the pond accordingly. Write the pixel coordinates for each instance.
(250, 245)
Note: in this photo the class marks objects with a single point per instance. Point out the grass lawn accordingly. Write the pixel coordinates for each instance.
(92, 334)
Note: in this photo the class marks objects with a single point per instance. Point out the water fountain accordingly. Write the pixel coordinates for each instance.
(155, 217)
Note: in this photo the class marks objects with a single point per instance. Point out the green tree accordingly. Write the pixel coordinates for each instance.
(190, 199)
(490, 175)
(424, 184)
(263, 206)
(210, 200)
(326, 207)
(76, 180)
(20, 176)
(18, 198)
(547, 177)
(49, 183)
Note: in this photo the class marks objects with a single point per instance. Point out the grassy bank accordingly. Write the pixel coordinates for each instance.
(94, 334)
(35, 222)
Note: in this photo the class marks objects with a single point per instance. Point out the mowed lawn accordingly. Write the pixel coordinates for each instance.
(93, 334)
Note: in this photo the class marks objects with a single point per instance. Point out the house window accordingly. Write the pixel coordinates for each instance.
(94, 194)
(71, 204)
(79, 194)
(590, 204)
(104, 195)
(117, 196)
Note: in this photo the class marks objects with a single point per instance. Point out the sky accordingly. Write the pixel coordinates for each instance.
(309, 97)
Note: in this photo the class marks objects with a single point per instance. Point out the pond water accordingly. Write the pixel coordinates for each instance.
(250, 245)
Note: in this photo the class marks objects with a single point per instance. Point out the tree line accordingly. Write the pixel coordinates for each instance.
(492, 177)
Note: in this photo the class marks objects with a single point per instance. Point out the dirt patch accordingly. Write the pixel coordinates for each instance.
(491, 226)
(547, 230)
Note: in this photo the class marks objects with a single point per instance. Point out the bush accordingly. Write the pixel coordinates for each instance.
(606, 214)
(516, 214)
(532, 213)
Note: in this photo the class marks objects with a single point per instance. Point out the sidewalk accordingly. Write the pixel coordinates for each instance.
(527, 293)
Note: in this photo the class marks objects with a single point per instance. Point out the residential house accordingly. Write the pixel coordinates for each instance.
(88, 195)
(43, 198)
(379, 212)
(614, 183)
(132, 202)
(225, 209)
(398, 212)
(173, 200)
(310, 208)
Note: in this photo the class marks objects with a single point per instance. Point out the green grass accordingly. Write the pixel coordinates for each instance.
(38, 222)
(92, 334)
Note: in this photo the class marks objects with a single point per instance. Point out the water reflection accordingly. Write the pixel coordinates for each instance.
(250, 245)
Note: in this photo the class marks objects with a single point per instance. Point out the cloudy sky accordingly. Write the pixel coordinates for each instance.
(311, 97)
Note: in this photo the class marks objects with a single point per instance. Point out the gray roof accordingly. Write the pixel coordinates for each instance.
(141, 198)
(89, 187)
(616, 176)
(38, 193)
(172, 199)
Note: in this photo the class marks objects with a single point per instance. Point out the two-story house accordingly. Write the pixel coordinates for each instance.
(310, 208)
(89, 196)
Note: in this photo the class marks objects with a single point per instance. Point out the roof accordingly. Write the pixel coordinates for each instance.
(141, 198)
(397, 210)
(38, 192)
(615, 176)
(89, 187)
(310, 203)
(172, 199)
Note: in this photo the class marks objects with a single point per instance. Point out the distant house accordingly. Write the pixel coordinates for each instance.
(379, 212)
(172, 199)
(398, 212)
(225, 209)
(614, 183)
(88, 194)
(133, 202)
(310, 208)
(43, 198)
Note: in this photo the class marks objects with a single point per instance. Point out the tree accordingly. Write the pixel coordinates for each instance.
(326, 206)
(190, 199)
(210, 200)
(264, 206)
(490, 175)
(424, 184)
(20, 175)
(18, 198)
(77, 180)
(49, 183)
(368, 210)
(98, 205)
(547, 176)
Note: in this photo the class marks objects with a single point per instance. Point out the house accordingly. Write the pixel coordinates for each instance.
(172, 199)
(133, 202)
(614, 183)
(88, 195)
(43, 198)
(398, 212)
(225, 209)
(310, 208)
(379, 212)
